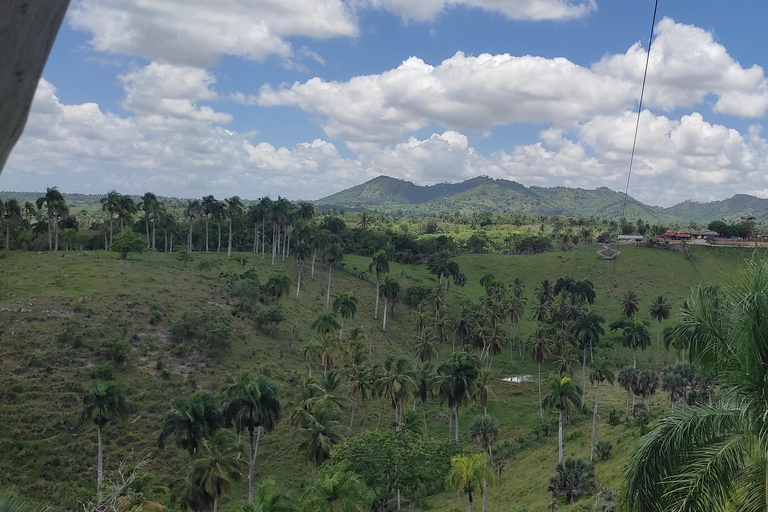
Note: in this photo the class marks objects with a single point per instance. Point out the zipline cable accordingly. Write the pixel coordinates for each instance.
(634, 141)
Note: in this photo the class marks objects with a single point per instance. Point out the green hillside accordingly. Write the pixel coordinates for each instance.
(386, 194)
(729, 209)
(69, 319)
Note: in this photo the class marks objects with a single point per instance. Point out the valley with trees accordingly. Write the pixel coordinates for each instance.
(270, 355)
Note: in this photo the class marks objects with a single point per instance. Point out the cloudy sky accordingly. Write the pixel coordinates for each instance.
(302, 98)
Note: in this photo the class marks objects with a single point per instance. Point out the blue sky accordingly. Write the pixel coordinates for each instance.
(302, 98)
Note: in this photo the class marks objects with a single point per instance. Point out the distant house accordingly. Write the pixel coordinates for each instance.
(630, 238)
(674, 235)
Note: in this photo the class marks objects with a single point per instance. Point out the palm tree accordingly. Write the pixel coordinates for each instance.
(703, 457)
(422, 318)
(210, 208)
(360, 387)
(52, 195)
(277, 285)
(253, 402)
(13, 217)
(659, 311)
(467, 474)
(326, 324)
(125, 208)
(335, 489)
(626, 380)
(517, 287)
(600, 372)
(310, 351)
(396, 384)
(234, 209)
(587, 328)
(390, 289)
(426, 382)
(302, 250)
(194, 418)
(191, 212)
(483, 389)
(635, 335)
(268, 499)
(629, 304)
(104, 403)
(426, 348)
(378, 266)
(148, 205)
(346, 305)
(545, 292)
(218, 466)
(485, 431)
(317, 430)
(562, 393)
(457, 377)
(515, 310)
(333, 256)
(540, 348)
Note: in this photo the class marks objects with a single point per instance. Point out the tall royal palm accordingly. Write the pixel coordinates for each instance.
(210, 207)
(467, 474)
(234, 208)
(217, 467)
(125, 208)
(485, 431)
(588, 327)
(396, 385)
(390, 290)
(194, 418)
(703, 457)
(659, 311)
(301, 251)
(13, 218)
(562, 393)
(540, 346)
(457, 378)
(333, 256)
(103, 404)
(600, 372)
(346, 305)
(110, 204)
(318, 429)
(191, 212)
(52, 196)
(379, 266)
(630, 304)
(148, 205)
(252, 400)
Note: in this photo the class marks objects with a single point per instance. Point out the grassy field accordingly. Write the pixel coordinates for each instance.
(47, 454)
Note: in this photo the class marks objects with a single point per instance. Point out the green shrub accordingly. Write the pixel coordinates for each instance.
(415, 294)
(209, 326)
(574, 478)
(104, 371)
(116, 350)
(614, 417)
(128, 242)
(603, 450)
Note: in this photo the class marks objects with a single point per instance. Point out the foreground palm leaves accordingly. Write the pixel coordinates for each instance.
(714, 457)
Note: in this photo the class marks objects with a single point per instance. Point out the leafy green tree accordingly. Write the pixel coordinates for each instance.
(217, 466)
(253, 402)
(674, 385)
(457, 377)
(659, 311)
(277, 285)
(390, 290)
(333, 257)
(346, 305)
(194, 418)
(379, 266)
(600, 372)
(335, 489)
(562, 392)
(104, 403)
(128, 242)
(485, 431)
(540, 347)
(467, 474)
(267, 499)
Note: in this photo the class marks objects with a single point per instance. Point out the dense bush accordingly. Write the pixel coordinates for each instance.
(603, 450)
(209, 326)
(574, 478)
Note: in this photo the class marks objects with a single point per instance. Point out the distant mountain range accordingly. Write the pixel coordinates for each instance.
(391, 195)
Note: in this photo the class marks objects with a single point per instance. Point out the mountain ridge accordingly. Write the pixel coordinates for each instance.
(386, 194)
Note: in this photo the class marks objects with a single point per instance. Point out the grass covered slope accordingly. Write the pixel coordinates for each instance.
(70, 319)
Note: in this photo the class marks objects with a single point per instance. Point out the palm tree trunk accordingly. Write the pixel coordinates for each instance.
(274, 242)
(352, 419)
(216, 503)
(397, 419)
(634, 357)
(189, 237)
(206, 233)
(594, 422)
(154, 236)
(560, 438)
(218, 248)
(376, 307)
(328, 291)
(456, 430)
(469, 507)
(106, 241)
(583, 376)
(298, 283)
(229, 243)
(56, 227)
(50, 234)
(146, 225)
(252, 461)
(386, 303)
(263, 239)
(485, 495)
(450, 425)
(314, 255)
(171, 241)
(541, 408)
(100, 468)
(255, 237)
(111, 230)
